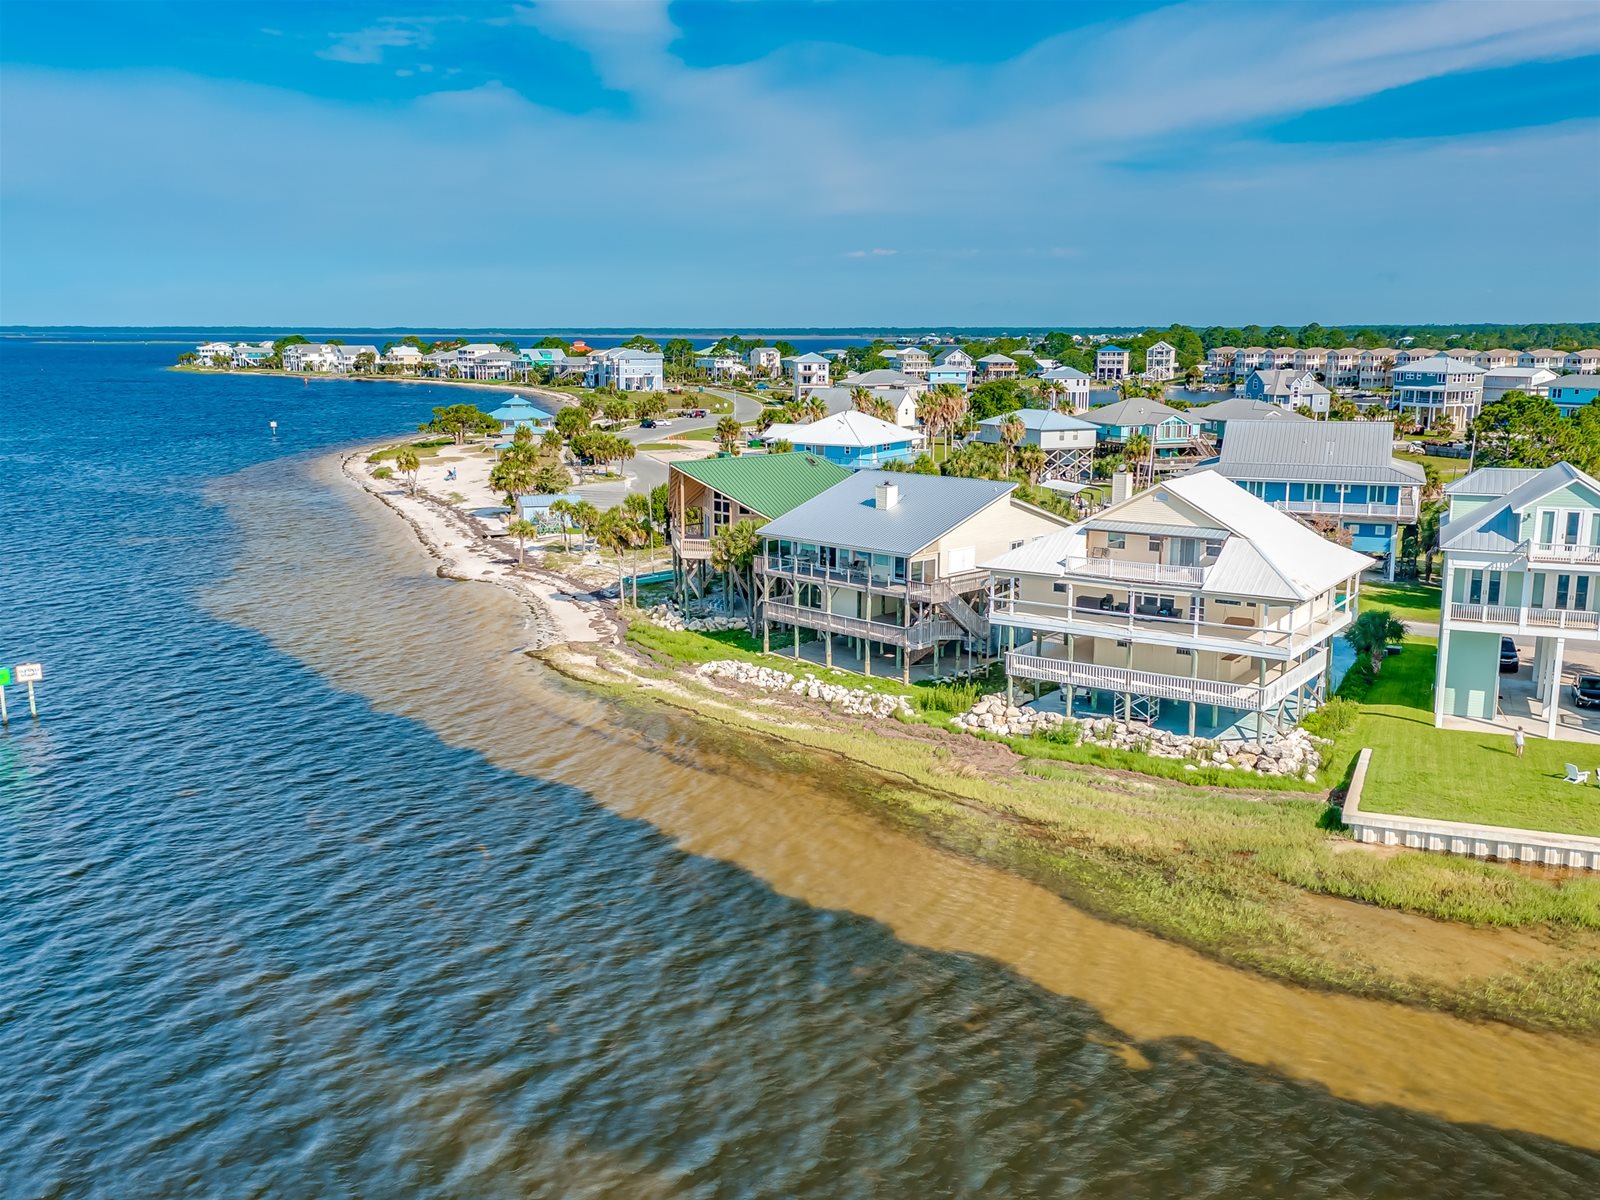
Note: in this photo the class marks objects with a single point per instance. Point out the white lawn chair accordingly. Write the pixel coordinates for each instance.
(1576, 776)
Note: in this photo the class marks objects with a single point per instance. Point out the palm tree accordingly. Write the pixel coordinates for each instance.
(636, 507)
(563, 511)
(1012, 431)
(611, 532)
(586, 517)
(728, 432)
(956, 408)
(733, 553)
(522, 529)
(783, 446)
(1031, 461)
(409, 463)
(861, 398)
(1136, 451)
(1371, 632)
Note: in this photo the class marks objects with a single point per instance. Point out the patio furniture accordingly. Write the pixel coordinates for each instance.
(1576, 776)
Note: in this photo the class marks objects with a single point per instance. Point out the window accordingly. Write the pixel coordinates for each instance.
(1581, 600)
(1494, 587)
(1017, 545)
(1475, 587)
(1155, 545)
(1213, 547)
(1563, 588)
(1061, 585)
(1538, 591)
(1185, 652)
(1547, 527)
(1570, 533)
(1116, 541)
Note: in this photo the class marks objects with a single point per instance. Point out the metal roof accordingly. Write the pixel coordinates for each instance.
(1245, 408)
(1154, 528)
(851, 428)
(1317, 451)
(882, 377)
(1492, 481)
(770, 484)
(1138, 410)
(929, 506)
(1497, 526)
(1040, 418)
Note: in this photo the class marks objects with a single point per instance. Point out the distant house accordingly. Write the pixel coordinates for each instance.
(764, 360)
(1343, 369)
(1067, 441)
(1280, 358)
(724, 365)
(849, 439)
(1311, 358)
(1438, 390)
(882, 380)
(1287, 387)
(1070, 384)
(809, 371)
(1219, 363)
(251, 354)
(311, 356)
(1572, 392)
(707, 496)
(1376, 369)
(542, 356)
(403, 355)
(1161, 361)
(911, 360)
(882, 570)
(1550, 360)
(1341, 472)
(1497, 381)
(1491, 360)
(626, 370)
(902, 401)
(1521, 561)
(952, 366)
(1214, 418)
(1248, 359)
(537, 510)
(1191, 606)
(207, 351)
(1582, 362)
(1413, 354)
(1111, 363)
(1173, 435)
(996, 366)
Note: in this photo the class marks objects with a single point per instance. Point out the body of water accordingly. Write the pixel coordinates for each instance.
(312, 884)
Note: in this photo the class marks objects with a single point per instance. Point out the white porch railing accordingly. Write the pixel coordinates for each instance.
(1277, 640)
(1135, 572)
(1333, 508)
(915, 637)
(1561, 552)
(1238, 694)
(1540, 619)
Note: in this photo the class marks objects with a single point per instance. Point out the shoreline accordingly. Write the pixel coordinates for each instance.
(316, 377)
(1298, 920)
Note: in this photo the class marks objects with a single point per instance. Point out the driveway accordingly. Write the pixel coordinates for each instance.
(1519, 709)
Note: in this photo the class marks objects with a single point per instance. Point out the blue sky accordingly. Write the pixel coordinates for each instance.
(819, 163)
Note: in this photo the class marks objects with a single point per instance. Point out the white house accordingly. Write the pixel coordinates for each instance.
(764, 360)
(1192, 606)
(404, 355)
(626, 370)
(1582, 362)
(1071, 385)
(809, 371)
(1111, 363)
(1067, 441)
(721, 366)
(311, 356)
(1550, 360)
(1160, 361)
(1438, 389)
(1497, 381)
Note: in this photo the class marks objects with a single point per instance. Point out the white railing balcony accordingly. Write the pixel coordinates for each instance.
(691, 546)
(1248, 695)
(1563, 552)
(918, 636)
(1134, 571)
(1540, 620)
(1405, 510)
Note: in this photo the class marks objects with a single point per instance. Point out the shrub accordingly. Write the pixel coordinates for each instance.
(946, 697)
(1333, 718)
(1065, 734)
(383, 473)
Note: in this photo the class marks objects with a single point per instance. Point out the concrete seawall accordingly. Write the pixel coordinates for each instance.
(1460, 837)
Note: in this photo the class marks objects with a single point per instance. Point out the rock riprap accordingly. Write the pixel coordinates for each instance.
(854, 701)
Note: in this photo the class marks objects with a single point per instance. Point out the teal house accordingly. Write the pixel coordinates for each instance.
(1521, 562)
(1171, 432)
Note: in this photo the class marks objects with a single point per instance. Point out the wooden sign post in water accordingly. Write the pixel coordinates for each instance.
(28, 673)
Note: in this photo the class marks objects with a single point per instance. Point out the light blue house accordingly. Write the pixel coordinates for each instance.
(537, 509)
(1341, 473)
(517, 413)
(1171, 432)
(1572, 392)
(953, 366)
(851, 439)
(1521, 562)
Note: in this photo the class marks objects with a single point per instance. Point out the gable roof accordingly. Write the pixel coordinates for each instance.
(1041, 419)
(1440, 364)
(1491, 481)
(1111, 350)
(770, 484)
(882, 377)
(813, 357)
(998, 358)
(1136, 410)
(849, 428)
(929, 507)
(1278, 381)
(1245, 408)
(1266, 554)
(1060, 373)
(1495, 526)
(1318, 451)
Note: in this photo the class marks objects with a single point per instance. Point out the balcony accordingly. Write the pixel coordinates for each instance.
(1228, 635)
(1238, 694)
(933, 591)
(688, 546)
(1406, 510)
(1133, 571)
(918, 636)
(1572, 554)
(1528, 620)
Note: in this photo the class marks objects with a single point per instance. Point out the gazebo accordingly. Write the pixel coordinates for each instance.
(518, 412)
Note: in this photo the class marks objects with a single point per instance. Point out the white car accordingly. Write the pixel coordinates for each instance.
(662, 423)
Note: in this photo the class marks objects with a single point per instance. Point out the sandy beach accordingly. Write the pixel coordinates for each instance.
(466, 536)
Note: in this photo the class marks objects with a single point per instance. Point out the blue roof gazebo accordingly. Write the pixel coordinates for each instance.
(517, 412)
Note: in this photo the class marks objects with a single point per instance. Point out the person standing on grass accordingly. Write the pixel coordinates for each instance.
(1517, 740)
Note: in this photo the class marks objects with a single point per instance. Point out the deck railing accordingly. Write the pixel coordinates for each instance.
(1134, 571)
(1248, 695)
(1540, 619)
(1405, 510)
(933, 591)
(917, 636)
(1562, 552)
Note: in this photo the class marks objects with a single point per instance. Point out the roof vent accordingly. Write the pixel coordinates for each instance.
(886, 495)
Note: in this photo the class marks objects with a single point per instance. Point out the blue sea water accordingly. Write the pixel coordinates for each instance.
(261, 935)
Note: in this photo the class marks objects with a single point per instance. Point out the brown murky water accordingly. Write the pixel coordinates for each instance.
(801, 999)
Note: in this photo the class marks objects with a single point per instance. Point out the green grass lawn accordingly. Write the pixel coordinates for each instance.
(1448, 468)
(696, 435)
(426, 449)
(1457, 775)
(1408, 601)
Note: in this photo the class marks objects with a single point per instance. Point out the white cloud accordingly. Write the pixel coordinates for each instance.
(875, 252)
(367, 46)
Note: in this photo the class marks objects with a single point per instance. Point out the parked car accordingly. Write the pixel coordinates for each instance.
(1510, 660)
(662, 423)
(1586, 691)
(696, 412)
(647, 423)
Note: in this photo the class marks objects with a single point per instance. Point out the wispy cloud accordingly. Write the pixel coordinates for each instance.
(875, 252)
(367, 46)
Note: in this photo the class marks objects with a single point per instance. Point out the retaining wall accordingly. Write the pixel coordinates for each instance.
(1462, 837)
